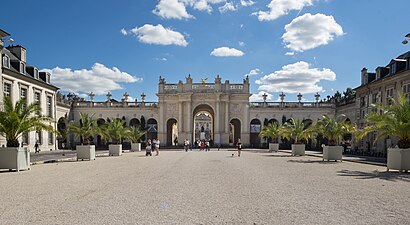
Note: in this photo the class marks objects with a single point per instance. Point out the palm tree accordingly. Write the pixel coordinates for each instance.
(334, 128)
(115, 131)
(394, 120)
(136, 134)
(271, 131)
(296, 130)
(84, 129)
(21, 118)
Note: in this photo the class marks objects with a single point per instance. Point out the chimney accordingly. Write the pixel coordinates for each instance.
(364, 76)
(19, 51)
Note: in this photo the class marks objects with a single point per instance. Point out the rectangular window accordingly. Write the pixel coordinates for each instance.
(50, 138)
(389, 93)
(6, 61)
(22, 68)
(23, 93)
(47, 78)
(39, 138)
(36, 74)
(49, 106)
(7, 89)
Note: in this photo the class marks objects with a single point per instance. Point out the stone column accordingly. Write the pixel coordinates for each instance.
(180, 122)
(245, 131)
(217, 131)
(189, 130)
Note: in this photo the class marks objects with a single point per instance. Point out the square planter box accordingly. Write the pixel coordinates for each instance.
(273, 147)
(135, 147)
(298, 149)
(15, 158)
(114, 150)
(398, 159)
(332, 153)
(85, 152)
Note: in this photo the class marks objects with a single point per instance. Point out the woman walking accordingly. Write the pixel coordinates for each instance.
(239, 147)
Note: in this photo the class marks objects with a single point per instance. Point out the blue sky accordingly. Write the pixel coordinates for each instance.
(305, 46)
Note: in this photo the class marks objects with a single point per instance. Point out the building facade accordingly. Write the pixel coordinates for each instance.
(19, 80)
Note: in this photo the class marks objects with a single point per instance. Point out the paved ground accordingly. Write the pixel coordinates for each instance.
(205, 188)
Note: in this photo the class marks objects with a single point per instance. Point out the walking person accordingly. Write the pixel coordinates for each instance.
(148, 149)
(186, 145)
(207, 146)
(239, 147)
(157, 142)
(36, 148)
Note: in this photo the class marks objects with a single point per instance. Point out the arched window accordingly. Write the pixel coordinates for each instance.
(22, 68)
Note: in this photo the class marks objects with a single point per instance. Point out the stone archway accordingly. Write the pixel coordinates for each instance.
(152, 129)
(255, 128)
(203, 123)
(234, 131)
(172, 132)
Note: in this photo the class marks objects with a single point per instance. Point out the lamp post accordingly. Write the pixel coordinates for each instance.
(406, 38)
(299, 97)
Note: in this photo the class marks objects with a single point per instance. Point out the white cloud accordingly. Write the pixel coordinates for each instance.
(241, 26)
(254, 72)
(161, 59)
(227, 52)
(241, 43)
(123, 31)
(99, 79)
(159, 35)
(202, 5)
(290, 53)
(278, 8)
(171, 9)
(310, 31)
(229, 6)
(295, 78)
(247, 2)
(259, 96)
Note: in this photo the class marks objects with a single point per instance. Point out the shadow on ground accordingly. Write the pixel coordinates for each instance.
(389, 176)
(311, 161)
(270, 155)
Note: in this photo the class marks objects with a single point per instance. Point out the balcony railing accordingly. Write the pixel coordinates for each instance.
(291, 105)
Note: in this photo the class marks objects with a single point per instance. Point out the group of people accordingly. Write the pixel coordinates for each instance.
(152, 146)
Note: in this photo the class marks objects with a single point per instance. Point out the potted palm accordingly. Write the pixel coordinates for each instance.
(15, 120)
(296, 130)
(135, 136)
(393, 121)
(333, 129)
(272, 132)
(115, 131)
(84, 129)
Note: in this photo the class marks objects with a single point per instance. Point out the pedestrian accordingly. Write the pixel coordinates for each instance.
(148, 149)
(176, 141)
(157, 142)
(202, 145)
(186, 145)
(239, 147)
(36, 148)
(207, 146)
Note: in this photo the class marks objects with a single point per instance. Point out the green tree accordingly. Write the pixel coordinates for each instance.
(296, 130)
(84, 129)
(333, 128)
(115, 130)
(393, 120)
(271, 131)
(136, 134)
(21, 118)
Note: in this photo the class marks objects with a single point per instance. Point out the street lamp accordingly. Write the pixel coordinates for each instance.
(407, 37)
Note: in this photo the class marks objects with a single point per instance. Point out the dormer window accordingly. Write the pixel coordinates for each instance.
(6, 61)
(22, 68)
(36, 74)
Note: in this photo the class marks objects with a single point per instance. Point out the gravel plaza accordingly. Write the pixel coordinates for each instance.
(205, 188)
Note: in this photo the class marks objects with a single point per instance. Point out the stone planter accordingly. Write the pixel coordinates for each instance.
(85, 152)
(15, 158)
(273, 147)
(115, 150)
(332, 153)
(298, 149)
(135, 147)
(398, 159)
